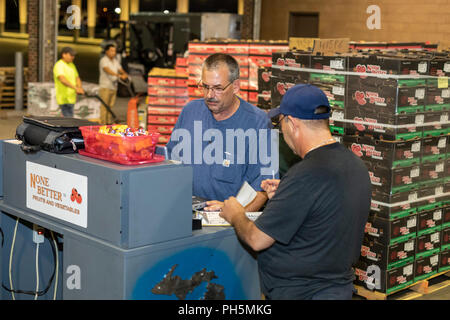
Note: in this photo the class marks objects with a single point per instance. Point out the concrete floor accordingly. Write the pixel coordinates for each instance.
(87, 63)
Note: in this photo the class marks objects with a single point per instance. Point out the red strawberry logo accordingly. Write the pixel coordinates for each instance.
(280, 88)
(266, 76)
(360, 98)
(361, 68)
(280, 62)
(358, 126)
(356, 148)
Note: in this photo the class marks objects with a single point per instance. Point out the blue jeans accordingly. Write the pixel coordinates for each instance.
(67, 110)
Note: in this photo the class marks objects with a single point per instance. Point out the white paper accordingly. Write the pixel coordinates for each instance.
(213, 219)
(246, 194)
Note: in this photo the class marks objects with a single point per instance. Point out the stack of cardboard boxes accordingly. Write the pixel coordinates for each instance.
(392, 110)
(250, 55)
(167, 94)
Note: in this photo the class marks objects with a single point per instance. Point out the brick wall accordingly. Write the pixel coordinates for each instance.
(49, 57)
(247, 20)
(401, 20)
(33, 44)
(50, 36)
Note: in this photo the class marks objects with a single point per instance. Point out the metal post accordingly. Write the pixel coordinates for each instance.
(257, 20)
(19, 81)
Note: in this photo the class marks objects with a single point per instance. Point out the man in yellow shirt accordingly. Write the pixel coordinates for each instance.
(67, 81)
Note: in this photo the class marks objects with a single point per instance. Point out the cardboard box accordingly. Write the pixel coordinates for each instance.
(434, 149)
(167, 91)
(267, 48)
(393, 211)
(435, 124)
(433, 171)
(385, 256)
(437, 99)
(338, 63)
(429, 221)
(163, 139)
(433, 198)
(291, 59)
(264, 100)
(335, 93)
(445, 238)
(279, 87)
(426, 267)
(440, 66)
(444, 261)
(391, 181)
(391, 231)
(388, 65)
(406, 196)
(446, 217)
(428, 244)
(337, 126)
(162, 119)
(385, 153)
(170, 111)
(383, 126)
(255, 63)
(163, 129)
(387, 95)
(328, 78)
(372, 277)
(264, 76)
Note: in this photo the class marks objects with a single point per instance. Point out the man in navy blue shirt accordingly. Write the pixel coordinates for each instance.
(225, 139)
(310, 232)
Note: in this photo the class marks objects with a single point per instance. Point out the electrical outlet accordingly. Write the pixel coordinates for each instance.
(38, 234)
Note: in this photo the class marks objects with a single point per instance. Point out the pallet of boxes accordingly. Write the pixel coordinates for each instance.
(251, 55)
(167, 95)
(397, 123)
(391, 109)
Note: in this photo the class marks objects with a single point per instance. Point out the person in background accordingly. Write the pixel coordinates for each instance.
(310, 233)
(110, 72)
(221, 109)
(67, 81)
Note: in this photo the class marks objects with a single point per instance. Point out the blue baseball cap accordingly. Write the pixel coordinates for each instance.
(301, 101)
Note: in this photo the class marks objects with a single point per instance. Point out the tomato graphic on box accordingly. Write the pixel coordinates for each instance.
(75, 196)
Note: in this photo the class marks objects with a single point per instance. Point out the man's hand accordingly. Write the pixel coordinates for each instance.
(231, 209)
(79, 90)
(234, 213)
(213, 205)
(124, 76)
(270, 186)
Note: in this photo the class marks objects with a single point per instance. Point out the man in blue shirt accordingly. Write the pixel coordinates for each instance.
(225, 139)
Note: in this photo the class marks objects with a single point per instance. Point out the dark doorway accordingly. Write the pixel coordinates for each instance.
(304, 24)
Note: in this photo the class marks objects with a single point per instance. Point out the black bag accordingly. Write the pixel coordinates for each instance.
(53, 134)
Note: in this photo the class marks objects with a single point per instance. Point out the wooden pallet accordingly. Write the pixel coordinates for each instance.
(413, 291)
(7, 87)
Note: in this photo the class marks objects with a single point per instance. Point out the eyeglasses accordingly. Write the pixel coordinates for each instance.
(216, 89)
(277, 124)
